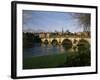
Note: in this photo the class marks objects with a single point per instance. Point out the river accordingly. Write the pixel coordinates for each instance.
(40, 50)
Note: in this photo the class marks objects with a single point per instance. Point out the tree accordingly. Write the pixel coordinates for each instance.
(68, 32)
(28, 40)
(83, 19)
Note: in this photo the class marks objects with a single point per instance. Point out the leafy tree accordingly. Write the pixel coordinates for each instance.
(83, 19)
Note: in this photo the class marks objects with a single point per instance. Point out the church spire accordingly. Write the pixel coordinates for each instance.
(62, 30)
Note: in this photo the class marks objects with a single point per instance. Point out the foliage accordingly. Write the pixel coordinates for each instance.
(83, 19)
(81, 58)
(28, 39)
(83, 45)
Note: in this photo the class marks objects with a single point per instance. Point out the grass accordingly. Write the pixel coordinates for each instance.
(81, 58)
(47, 61)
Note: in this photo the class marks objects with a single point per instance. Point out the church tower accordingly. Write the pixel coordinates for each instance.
(62, 30)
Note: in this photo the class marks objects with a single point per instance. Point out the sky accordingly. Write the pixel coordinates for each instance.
(49, 21)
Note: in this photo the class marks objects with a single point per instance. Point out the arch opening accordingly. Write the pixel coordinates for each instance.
(54, 42)
(67, 44)
(83, 44)
(46, 42)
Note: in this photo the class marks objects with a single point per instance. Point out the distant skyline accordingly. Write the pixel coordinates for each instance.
(49, 21)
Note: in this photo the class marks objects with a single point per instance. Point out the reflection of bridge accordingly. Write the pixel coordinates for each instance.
(62, 39)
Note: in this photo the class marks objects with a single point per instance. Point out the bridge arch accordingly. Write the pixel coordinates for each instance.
(54, 42)
(83, 41)
(83, 44)
(71, 41)
(46, 41)
(67, 43)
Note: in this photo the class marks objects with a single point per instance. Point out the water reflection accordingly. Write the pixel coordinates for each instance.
(71, 55)
(39, 50)
(48, 49)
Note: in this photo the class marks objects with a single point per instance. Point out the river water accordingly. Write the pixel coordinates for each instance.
(40, 50)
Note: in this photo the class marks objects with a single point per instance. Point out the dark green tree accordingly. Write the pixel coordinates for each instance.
(28, 39)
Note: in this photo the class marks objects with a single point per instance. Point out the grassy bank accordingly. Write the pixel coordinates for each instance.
(47, 61)
(81, 58)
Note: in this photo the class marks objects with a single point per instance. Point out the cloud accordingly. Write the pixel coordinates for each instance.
(27, 16)
(39, 21)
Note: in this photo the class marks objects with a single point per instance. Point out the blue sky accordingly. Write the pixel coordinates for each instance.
(49, 21)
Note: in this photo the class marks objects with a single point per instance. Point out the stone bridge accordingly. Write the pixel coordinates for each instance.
(61, 39)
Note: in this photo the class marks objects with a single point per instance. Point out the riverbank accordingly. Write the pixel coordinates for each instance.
(44, 61)
(58, 60)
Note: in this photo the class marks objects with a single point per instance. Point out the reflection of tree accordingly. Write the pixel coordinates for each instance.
(83, 19)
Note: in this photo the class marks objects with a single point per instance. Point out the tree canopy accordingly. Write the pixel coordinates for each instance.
(83, 19)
